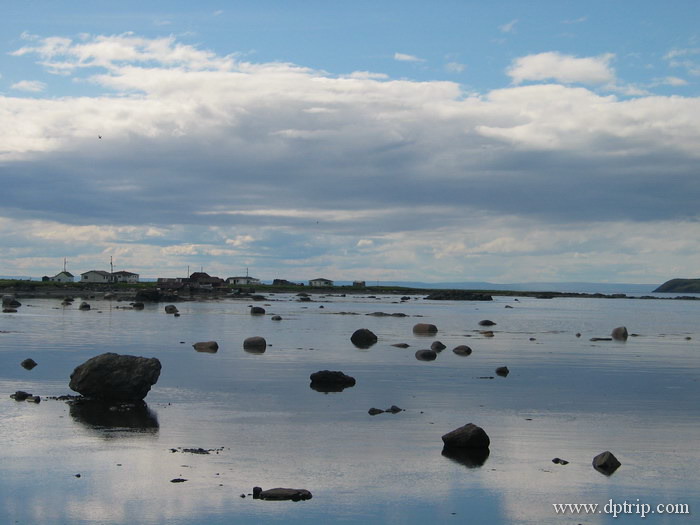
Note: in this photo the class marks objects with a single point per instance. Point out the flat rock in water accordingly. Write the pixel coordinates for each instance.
(331, 381)
(281, 494)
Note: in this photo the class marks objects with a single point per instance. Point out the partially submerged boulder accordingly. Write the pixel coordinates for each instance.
(424, 329)
(28, 363)
(468, 436)
(462, 350)
(331, 381)
(363, 338)
(10, 301)
(116, 377)
(606, 463)
(257, 310)
(255, 344)
(281, 494)
(620, 333)
(210, 347)
(171, 309)
(426, 355)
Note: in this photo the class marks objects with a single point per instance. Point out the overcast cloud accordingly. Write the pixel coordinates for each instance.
(216, 161)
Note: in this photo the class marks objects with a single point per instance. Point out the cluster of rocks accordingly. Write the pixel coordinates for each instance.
(21, 395)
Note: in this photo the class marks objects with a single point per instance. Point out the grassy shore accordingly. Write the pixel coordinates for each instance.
(28, 288)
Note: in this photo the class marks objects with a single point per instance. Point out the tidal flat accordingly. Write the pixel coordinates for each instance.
(227, 421)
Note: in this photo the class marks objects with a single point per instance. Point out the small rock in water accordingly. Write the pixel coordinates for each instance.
(425, 328)
(255, 344)
(20, 395)
(28, 363)
(468, 436)
(560, 461)
(502, 371)
(426, 355)
(210, 347)
(281, 494)
(363, 338)
(462, 350)
(620, 333)
(374, 411)
(487, 322)
(178, 480)
(437, 346)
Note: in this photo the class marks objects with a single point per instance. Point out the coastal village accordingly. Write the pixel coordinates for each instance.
(199, 279)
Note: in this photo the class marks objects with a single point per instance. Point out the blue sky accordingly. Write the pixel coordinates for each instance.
(434, 141)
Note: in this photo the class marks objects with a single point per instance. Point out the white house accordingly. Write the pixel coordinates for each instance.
(95, 276)
(125, 277)
(63, 277)
(320, 283)
(242, 280)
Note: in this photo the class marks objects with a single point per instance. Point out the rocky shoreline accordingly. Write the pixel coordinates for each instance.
(148, 292)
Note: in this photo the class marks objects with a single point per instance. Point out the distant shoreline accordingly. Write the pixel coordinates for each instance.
(38, 289)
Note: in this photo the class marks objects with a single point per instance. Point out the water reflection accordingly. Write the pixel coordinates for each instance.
(101, 416)
(469, 457)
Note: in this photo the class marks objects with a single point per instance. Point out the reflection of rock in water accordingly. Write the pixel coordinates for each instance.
(469, 457)
(98, 415)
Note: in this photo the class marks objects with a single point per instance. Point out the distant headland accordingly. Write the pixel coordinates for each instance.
(680, 286)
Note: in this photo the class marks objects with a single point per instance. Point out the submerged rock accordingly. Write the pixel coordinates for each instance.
(502, 371)
(257, 310)
(116, 377)
(363, 338)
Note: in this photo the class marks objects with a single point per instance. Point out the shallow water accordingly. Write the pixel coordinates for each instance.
(565, 396)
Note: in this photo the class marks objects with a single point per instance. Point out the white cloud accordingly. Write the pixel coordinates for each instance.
(289, 167)
(32, 86)
(509, 27)
(563, 68)
(455, 67)
(402, 57)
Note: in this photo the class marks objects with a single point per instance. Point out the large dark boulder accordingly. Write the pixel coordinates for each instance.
(331, 381)
(426, 355)
(210, 347)
(606, 463)
(468, 436)
(363, 338)
(424, 329)
(116, 377)
(255, 344)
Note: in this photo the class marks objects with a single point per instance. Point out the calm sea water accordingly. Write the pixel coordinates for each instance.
(565, 396)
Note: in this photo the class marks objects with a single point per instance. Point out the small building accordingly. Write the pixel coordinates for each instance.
(62, 277)
(204, 280)
(95, 276)
(125, 277)
(359, 284)
(320, 282)
(242, 280)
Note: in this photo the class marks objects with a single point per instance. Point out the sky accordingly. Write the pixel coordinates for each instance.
(446, 141)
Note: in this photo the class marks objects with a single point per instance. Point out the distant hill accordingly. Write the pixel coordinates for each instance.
(680, 286)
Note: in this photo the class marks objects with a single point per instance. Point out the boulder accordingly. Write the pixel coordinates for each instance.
(276, 317)
(606, 463)
(10, 301)
(255, 344)
(437, 346)
(171, 309)
(502, 371)
(210, 347)
(426, 355)
(620, 333)
(424, 328)
(28, 363)
(462, 350)
(84, 306)
(363, 338)
(281, 494)
(331, 381)
(115, 377)
(487, 322)
(257, 310)
(468, 436)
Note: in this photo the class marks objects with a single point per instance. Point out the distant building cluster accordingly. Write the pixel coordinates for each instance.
(195, 280)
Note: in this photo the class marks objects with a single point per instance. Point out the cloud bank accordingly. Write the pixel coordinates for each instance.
(214, 161)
